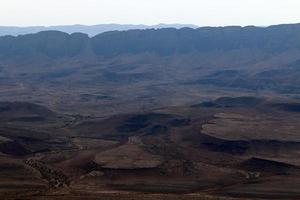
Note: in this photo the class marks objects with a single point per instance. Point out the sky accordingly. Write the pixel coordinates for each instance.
(198, 12)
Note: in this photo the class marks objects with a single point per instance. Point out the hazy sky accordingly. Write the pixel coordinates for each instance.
(200, 12)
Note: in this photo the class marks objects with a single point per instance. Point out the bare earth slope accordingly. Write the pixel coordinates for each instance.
(172, 150)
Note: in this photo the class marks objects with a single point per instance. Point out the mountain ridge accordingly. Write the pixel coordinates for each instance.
(91, 30)
(150, 66)
(166, 41)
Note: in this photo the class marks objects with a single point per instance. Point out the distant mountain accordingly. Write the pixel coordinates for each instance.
(164, 42)
(153, 65)
(90, 30)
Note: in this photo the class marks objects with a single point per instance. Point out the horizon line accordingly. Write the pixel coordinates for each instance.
(139, 24)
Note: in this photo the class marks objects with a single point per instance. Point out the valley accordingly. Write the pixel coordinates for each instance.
(206, 113)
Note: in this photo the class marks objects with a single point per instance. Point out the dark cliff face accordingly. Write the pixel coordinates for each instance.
(169, 41)
(172, 41)
(52, 44)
